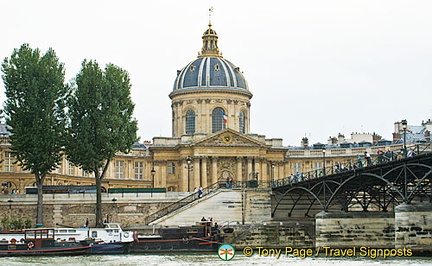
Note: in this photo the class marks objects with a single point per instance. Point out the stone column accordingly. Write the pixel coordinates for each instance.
(413, 227)
(158, 173)
(183, 184)
(277, 171)
(239, 169)
(263, 173)
(204, 173)
(180, 125)
(249, 168)
(163, 174)
(214, 170)
(258, 169)
(206, 116)
(196, 173)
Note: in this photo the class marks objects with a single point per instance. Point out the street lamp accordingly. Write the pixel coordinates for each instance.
(114, 200)
(153, 173)
(404, 128)
(188, 161)
(324, 166)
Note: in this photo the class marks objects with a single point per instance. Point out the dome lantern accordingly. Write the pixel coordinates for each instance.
(210, 47)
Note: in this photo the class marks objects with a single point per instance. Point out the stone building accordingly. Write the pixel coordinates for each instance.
(211, 139)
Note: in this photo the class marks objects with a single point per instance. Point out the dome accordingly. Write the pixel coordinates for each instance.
(210, 70)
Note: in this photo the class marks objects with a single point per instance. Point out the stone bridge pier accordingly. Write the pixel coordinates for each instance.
(413, 224)
(409, 227)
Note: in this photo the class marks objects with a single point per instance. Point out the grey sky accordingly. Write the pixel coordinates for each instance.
(316, 68)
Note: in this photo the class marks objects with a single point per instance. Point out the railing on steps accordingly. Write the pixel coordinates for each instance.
(245, 232)
(254, 183)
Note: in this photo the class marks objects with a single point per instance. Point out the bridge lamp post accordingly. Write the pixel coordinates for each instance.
(324, 166)
(188, 161)
(404, 128)
(153, 173)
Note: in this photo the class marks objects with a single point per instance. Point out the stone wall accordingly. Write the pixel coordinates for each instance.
(257, 204)
(235, 206)
(74, 209)
(414, 227)
(271, 236)
(339, 229)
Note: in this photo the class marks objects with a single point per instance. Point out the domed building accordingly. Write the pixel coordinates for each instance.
(211, 139)
(210, 93)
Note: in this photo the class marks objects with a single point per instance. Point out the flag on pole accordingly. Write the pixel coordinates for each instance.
(224, 117)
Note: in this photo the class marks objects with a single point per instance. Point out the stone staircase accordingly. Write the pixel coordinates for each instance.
(236, 205)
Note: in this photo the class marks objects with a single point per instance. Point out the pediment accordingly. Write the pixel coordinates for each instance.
(228, 137)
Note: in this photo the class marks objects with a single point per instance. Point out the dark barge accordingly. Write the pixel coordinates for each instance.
(204, 236)
(40, 242)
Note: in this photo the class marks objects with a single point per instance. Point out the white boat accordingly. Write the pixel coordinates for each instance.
(7, 238)
(111, 233)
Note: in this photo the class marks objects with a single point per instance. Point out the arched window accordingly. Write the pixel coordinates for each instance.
(190, 122)
(218, 119)
(242, 122)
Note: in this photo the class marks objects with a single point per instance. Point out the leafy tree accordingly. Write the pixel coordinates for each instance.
(101, 123)
(34, 110)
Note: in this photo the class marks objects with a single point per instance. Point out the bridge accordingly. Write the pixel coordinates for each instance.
(379, 187)
(385, 204)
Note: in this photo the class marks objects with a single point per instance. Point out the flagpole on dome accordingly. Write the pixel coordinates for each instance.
(210, 14)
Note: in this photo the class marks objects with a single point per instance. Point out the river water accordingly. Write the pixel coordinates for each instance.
(207, 259)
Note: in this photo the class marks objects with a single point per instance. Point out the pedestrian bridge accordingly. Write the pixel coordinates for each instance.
(379, 188)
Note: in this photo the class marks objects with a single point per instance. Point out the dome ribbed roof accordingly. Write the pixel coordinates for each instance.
(210, 70)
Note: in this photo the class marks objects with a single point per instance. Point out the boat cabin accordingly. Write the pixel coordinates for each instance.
(39, 237)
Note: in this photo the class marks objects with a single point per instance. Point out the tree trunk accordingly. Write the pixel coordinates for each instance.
(39, 183)
(98, 179)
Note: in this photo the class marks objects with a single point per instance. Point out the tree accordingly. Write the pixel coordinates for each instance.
(35, 112)
(100, 121)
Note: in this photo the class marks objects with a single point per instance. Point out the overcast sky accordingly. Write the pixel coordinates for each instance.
(316, 68)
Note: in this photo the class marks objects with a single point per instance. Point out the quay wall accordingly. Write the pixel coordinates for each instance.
(130, 209)
(338, 229)
(73, 209)
(271, 235)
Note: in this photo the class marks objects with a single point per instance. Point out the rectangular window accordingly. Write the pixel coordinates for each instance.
(59, 168)
(139, 170)
(119, 169)
(317, 165)
(71, 169)
(84, 173)
(297, 168)
(8, 162)
(171, 168)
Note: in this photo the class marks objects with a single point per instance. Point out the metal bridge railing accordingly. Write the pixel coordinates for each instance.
(352, 165)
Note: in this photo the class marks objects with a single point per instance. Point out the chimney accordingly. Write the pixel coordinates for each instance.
(305, 143)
